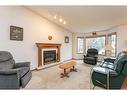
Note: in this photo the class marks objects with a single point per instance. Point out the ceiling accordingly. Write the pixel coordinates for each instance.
(83, 19)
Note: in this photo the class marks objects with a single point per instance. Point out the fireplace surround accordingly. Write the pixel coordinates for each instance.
(42, 46)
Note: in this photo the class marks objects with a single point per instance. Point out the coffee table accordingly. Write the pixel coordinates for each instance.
(67, 65)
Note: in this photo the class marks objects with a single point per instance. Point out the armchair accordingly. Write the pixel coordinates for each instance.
(111, 73)
(91, 57)
(13, 75)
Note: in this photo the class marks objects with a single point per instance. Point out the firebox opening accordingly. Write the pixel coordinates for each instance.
(49, 57)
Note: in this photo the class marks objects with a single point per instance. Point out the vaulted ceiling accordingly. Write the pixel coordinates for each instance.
(84, 18)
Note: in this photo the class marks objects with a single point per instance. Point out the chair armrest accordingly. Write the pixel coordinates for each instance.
(113, 73)
(105, 71)
(96, 56)
(22, 64)
(8, 71)
(109, 60)
(85, 55)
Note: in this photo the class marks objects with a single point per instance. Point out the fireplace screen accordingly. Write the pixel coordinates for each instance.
(49, 57)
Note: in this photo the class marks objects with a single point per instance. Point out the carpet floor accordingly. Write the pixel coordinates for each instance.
(49, 78)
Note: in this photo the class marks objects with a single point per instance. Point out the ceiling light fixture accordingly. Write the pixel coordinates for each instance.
(55, 17)
(60, 20)
(64, 22)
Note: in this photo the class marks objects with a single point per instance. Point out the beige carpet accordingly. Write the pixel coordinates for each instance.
(49, 78)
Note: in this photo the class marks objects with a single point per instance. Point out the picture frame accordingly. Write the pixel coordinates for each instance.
(66, 39)
(16, 33)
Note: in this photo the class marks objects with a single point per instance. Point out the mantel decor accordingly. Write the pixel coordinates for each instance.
(47, 46)
(94, 33)
(16, 33)
(50, 37)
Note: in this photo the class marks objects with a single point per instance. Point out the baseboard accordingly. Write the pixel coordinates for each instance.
(77, 59)
(48, 66)
(66, 60)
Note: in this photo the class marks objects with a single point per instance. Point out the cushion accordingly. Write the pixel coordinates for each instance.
(90, 58)
(23, 71)
(4, 56)
(92, 52)
(7, 64)
(6, 60)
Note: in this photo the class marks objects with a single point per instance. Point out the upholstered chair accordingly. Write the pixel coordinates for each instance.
(13, 75)
(111, 73)
(91, 56)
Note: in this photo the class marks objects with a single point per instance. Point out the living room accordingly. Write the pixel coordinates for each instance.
(69, 31)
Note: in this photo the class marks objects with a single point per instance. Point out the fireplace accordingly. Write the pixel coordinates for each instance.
(49, 57)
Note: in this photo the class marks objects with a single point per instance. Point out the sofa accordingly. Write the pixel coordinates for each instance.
(91, 56)
(110, 74)
(13, 75)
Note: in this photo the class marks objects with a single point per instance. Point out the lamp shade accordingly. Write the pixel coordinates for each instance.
(109, 47)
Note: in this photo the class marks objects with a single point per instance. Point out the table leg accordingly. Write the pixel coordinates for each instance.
(73, 69)
(65, 74)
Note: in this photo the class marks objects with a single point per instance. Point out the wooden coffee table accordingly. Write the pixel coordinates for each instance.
(68, 65)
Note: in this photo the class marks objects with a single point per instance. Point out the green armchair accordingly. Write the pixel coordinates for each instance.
(91, 56)
(111, 73)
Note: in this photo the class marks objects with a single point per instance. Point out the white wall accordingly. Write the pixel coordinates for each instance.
(122, 38)
(36, 29)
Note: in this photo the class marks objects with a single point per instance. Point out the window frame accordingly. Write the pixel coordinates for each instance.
(83, 45)
(96, 37)
(110, 34)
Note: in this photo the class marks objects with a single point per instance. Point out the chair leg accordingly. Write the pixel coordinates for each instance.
(91, 79)
(108, 80)
(93, 87)
(73, 69)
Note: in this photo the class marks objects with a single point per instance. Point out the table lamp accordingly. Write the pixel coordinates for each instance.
(108, 49)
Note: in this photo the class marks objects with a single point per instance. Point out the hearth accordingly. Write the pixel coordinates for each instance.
(49, 57)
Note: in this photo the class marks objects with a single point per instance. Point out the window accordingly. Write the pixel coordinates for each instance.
(80, 43)
(97, 42)
(112, 41)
